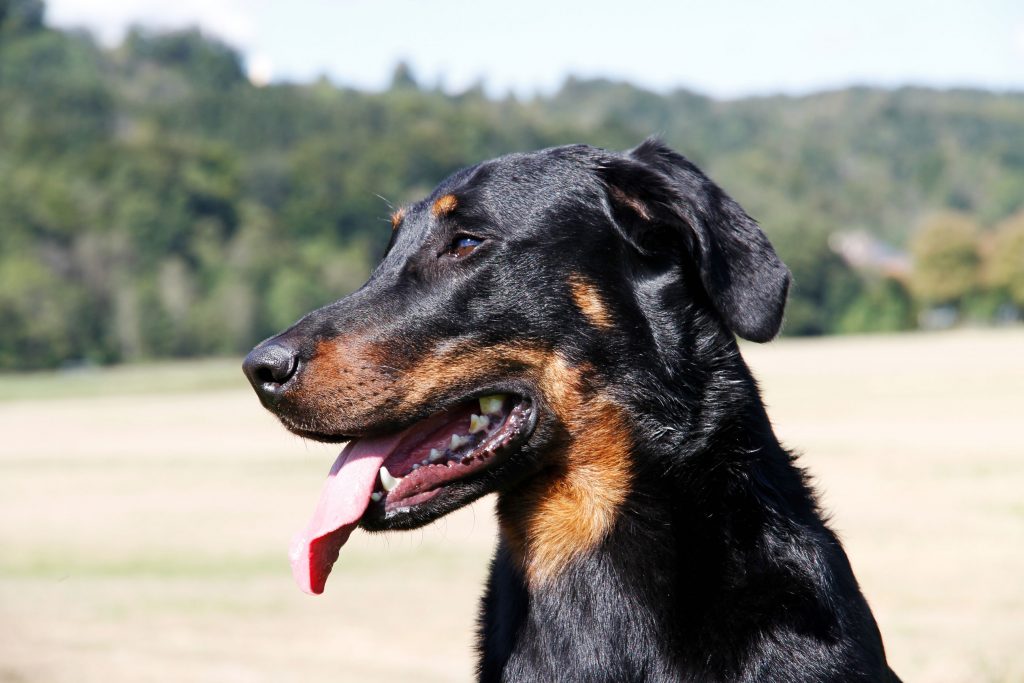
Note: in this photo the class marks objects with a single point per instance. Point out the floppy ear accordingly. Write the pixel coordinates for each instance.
(743, 276)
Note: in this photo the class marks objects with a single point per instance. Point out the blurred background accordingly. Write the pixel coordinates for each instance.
(179, 181)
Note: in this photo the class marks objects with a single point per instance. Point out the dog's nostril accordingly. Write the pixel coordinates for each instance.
(268, 367)
(265, 375)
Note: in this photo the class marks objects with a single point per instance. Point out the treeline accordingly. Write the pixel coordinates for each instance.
(155, 203)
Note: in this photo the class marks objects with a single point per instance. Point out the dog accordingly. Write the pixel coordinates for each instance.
(559, 328)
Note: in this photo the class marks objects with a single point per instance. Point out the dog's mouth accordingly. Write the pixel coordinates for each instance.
(401, 471)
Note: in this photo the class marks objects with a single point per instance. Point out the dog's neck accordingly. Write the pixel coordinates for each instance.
(687, 524)
(615, 495)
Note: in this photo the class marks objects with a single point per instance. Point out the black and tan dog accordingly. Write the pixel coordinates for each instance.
(558, 328)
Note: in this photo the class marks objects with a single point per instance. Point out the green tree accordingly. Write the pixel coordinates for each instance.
(154, 203)
(946, 259)
(1005, 266)
(39, 313)
(823, 285)
(885, 305)
(203, 60)
(18, 17)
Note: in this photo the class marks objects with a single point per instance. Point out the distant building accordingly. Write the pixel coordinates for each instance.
(863, 251)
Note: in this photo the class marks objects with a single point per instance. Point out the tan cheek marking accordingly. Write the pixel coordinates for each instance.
(554, 518)
(344, 378)
(466, 366)
(557, 518)
(577, 510)
(396, 218)
(589, 301)
(445, 205)
(336, 362)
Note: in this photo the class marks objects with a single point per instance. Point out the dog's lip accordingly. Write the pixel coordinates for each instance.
(424, 481)
(393, 428)
(359, 473)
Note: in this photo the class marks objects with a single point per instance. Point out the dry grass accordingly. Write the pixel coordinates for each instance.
(143, 534)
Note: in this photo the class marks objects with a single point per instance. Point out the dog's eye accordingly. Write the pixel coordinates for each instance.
(462, 245)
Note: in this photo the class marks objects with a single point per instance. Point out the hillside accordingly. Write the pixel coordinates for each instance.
(155, 203)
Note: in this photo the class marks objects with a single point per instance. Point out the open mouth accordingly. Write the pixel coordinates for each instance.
(405, 470)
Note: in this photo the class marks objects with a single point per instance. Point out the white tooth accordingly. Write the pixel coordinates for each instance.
(459, 441)
(416, 466)
(435, 455)
(478, 423)
(491, 405)
(376, 496)
(387, 481)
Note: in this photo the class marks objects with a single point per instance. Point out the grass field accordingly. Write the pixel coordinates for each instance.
(145, 514)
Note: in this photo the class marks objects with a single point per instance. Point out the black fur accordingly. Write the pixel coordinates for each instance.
(719, 566)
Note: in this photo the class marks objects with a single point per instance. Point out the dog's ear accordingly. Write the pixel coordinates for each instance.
(652, 188)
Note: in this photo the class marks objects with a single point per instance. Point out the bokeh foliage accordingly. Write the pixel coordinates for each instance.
(155, 203)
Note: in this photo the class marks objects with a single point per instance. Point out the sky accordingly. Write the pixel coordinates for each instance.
(722, 48)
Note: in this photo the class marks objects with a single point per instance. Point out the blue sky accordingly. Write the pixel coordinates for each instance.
(725, 49)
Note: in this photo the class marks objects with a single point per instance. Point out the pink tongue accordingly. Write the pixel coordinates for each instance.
(343, 501)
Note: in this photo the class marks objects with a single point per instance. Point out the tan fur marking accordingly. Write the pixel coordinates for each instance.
(344, 377)
(568, 510)
(558, 515)
(396, 218)
(589, 301)
(567, 513)
(632, 202)
(445, 205)
(465, 366)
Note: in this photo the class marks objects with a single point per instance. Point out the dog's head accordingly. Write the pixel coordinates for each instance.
(519, 314)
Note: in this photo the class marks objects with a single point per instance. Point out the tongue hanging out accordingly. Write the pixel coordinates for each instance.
(343, 501)
(411, 466)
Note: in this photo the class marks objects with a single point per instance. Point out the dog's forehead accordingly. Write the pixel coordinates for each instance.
(516, 193)
(558, 170)
(517, 186)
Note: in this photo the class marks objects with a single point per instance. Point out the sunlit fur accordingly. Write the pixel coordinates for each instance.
(652, 526)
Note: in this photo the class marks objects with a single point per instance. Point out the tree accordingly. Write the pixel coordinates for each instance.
(823, 285)
(154, 203)
(884, 306)
(205, 61)
(1005, 266)
(946, 259)
(21, 16)
(402, 78)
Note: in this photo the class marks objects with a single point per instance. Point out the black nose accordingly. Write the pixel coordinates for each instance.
(269, 367)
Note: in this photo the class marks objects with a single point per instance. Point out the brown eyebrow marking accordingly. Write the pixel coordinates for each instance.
(397, 217)
(590, 303)
(445, 205)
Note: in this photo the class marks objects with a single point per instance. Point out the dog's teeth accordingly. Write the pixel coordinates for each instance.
(459, 441)
(491, 405)
(376, 496)
(478, 423)
(435, 455)
(415, 465)
(387, 481)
